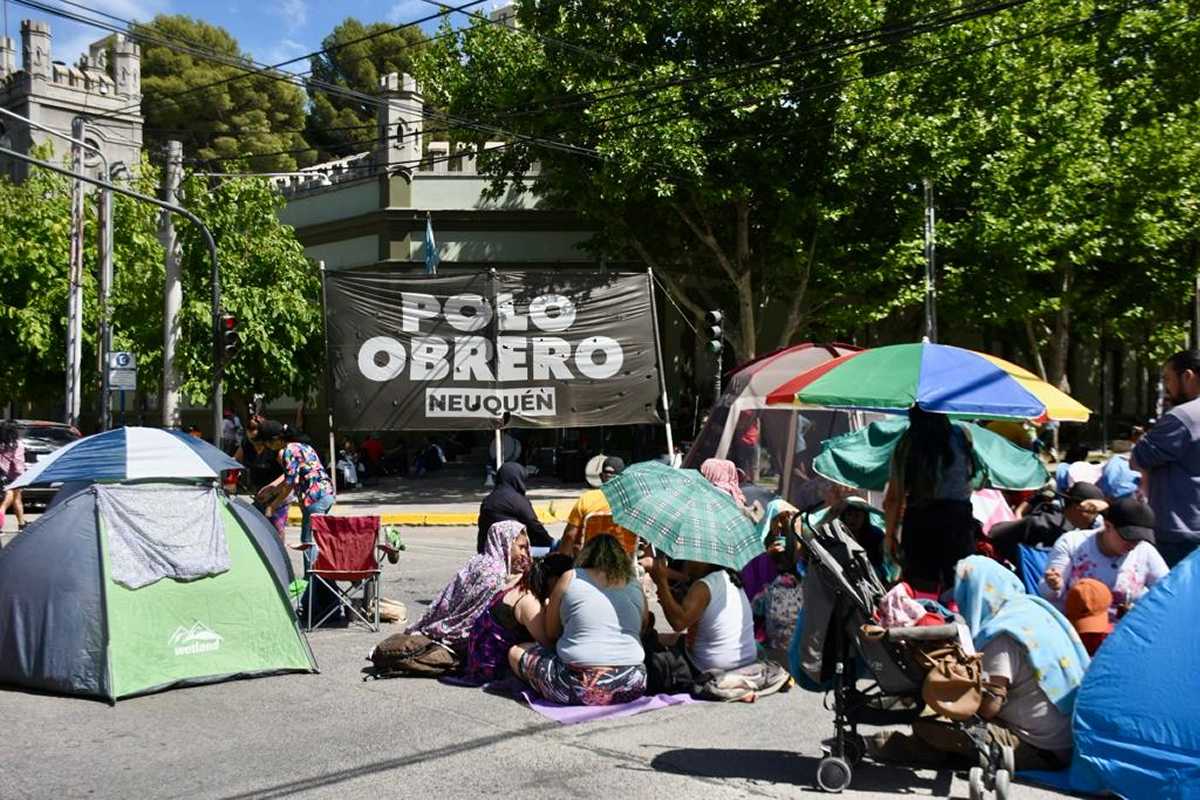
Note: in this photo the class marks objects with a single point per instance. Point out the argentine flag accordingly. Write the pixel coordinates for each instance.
(431, 254)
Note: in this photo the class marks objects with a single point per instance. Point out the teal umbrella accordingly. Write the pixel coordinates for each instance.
(863, 458)
(681, 513)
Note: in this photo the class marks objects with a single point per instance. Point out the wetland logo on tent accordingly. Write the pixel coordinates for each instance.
(197, 639)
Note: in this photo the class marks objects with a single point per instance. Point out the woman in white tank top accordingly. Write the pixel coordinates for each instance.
(716, 615)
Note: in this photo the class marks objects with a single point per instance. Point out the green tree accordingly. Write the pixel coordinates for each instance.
(266, 282)
(230, 120)
(717, 173)
(357, 56)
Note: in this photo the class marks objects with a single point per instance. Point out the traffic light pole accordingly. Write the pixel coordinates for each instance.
(208, 240)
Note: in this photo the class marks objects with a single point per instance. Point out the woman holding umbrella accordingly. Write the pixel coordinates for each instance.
(929, 524)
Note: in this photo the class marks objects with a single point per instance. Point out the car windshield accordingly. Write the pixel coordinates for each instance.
(49, 437)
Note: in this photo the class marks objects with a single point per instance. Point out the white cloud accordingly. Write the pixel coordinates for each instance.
(293, 13)
(408, 10)
(285, 50)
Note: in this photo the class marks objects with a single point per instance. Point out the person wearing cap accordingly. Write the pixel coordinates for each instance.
(1088, 603)
(1169, 456)
(1120, 555)
(592, 501)
(1078, 508)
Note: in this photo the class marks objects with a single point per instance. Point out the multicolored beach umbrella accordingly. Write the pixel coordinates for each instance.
(934, 377)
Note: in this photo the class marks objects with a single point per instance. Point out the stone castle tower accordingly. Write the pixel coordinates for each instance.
(104, 87)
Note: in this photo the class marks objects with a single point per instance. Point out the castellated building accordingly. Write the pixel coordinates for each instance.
(104, 87)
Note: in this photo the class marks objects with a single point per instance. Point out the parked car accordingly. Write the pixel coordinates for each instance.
(41, 438)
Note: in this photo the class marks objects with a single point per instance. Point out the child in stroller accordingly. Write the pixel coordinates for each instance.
(842, 647)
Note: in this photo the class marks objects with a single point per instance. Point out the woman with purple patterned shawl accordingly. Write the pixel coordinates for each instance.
(453, 612)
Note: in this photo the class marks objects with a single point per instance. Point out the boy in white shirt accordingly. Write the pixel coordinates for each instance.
(1121, 555)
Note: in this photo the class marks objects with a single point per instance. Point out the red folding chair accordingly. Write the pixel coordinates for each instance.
(348, 552)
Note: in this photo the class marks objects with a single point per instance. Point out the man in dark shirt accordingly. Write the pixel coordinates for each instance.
(1169, 455)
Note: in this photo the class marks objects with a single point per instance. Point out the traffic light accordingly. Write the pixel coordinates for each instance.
(228, 334)
(712, 323)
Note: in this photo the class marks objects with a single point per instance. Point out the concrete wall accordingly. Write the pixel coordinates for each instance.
(340, 201)
(357, 252)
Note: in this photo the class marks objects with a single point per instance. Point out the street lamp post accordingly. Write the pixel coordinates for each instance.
(208, 240)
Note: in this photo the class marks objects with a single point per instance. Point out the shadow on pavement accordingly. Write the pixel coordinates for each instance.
(787, 767)
(290, 788)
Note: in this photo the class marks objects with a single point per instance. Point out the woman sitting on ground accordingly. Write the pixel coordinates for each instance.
(594, 618)
(1034, 662)
(716, 615)
(504, 561)
(514, 615)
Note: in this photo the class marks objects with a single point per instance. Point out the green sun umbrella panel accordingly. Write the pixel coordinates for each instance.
(682, 514)
(862, 458)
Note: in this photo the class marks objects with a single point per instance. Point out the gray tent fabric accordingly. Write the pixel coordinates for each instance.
(52, 624)
(157, 532)
(263, 533)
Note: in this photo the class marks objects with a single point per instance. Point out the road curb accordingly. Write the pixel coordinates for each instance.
(553, 512)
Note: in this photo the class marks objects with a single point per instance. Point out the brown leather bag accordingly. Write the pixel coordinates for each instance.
(953, 682)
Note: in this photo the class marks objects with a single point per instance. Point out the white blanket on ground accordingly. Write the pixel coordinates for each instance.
(157, 532)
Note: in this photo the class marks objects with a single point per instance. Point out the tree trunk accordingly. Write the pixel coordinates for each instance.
(1035, 352)
(796, 310)
(1060, 339)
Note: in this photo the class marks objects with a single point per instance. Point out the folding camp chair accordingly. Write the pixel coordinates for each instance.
(348, 552)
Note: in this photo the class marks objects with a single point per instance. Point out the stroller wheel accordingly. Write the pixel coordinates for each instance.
(975, 783)
(854, 747)
(833, 774)
(1002, 784)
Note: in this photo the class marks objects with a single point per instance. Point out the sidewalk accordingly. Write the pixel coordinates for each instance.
(450, 497)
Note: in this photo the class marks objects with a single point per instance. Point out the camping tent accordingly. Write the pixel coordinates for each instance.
(68, 625)
(742, 409)
(1137, 732)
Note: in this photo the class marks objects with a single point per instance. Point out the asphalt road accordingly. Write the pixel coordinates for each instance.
(333, 736)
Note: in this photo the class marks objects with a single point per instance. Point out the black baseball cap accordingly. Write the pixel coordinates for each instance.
(1133, 519)
(614, 463)
(1082, 490)
(268, 430)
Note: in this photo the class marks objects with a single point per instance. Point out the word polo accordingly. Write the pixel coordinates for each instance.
(474, 357)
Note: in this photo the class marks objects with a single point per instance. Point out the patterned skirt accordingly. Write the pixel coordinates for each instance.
(566, 685)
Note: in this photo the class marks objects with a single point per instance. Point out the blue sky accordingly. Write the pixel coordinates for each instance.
(269, 30)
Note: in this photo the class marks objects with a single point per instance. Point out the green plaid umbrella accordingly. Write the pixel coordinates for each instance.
(681, 513)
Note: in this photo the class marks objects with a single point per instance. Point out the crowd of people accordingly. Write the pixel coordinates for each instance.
(1038, 595)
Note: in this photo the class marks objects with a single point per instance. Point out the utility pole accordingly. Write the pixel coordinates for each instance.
(930, 265)
(105, 200)
(173, 290)
(75, 284)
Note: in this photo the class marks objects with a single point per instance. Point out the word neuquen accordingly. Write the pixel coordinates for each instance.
(472, 357)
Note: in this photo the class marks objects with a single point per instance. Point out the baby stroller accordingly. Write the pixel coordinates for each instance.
(841, 594)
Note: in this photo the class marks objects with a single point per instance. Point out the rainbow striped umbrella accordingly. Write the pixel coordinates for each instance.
(934, 377)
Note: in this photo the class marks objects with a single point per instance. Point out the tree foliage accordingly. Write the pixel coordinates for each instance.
(267, 283)
(228, 120)
(340, 125)
(768, 157)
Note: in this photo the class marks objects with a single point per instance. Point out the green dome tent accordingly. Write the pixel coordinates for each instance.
(71, 623)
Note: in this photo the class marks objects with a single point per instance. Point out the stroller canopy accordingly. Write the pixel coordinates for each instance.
(69, 625)
(1137, 732)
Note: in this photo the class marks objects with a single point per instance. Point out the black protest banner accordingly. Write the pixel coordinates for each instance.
(524, 348)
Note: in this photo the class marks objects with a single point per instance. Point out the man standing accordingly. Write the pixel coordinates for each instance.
(1169, 455)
